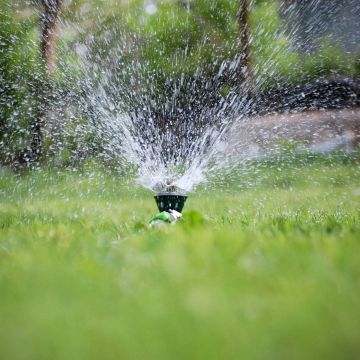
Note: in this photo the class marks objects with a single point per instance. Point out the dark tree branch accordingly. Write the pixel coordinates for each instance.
(244, 67)
(49, 21)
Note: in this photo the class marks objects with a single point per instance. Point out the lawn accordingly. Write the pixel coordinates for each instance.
(265, 268)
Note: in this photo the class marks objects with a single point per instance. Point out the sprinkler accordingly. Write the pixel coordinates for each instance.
(167, 201)
(170, 200)
(170, 197)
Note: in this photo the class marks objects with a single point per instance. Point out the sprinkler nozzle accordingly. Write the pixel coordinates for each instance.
(169, 196)
(167, 201)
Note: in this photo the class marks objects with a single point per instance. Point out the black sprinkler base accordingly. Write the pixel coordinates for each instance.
(167, 201)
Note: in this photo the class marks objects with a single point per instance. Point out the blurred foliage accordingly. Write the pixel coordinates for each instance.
(82, 277)
(178, 40)
(149, 46)
(18, 72)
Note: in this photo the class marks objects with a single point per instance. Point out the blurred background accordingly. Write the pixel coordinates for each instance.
(165, 60)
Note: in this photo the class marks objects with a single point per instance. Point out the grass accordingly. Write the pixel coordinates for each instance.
(268, 269)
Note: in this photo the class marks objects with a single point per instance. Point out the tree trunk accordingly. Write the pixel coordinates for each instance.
(244, 67)
(49, 20)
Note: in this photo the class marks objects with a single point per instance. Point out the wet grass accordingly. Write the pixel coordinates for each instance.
(264, 270)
